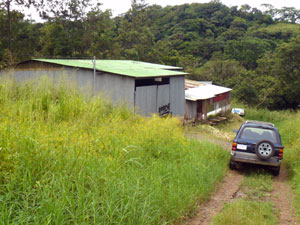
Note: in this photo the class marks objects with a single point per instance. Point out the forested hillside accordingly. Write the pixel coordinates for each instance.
(257, 53)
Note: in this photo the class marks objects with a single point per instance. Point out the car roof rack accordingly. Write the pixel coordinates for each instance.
(260, 122)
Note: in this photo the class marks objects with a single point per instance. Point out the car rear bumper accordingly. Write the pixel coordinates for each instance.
(245, 157)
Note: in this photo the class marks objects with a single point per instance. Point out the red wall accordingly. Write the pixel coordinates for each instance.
(221, 97)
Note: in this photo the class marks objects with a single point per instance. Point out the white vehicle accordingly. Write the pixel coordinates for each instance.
(238, 111)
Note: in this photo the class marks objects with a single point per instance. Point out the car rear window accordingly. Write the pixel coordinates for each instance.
(254, 133)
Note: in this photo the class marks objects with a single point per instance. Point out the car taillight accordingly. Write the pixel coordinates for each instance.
(280, 152)
(234, 146)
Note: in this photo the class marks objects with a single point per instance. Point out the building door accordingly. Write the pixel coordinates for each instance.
(152, 99)
(163, 99)
(145, 100)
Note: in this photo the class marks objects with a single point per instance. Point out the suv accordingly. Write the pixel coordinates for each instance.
(257, 143)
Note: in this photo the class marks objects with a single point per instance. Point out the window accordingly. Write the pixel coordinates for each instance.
(254, 133)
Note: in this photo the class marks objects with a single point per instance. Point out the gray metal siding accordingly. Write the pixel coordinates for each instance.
(163, 99)
(145, 100)
(120, 89)
(80, 78)
(115, 87)
(177, 95)
(191, 109)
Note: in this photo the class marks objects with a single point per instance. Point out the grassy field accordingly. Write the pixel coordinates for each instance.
(69, 159)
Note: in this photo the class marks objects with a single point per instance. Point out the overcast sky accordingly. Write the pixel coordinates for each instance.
(121, 6)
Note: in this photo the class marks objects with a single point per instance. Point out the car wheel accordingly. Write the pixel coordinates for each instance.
(264, 149)
(232, 165)
(276, 171)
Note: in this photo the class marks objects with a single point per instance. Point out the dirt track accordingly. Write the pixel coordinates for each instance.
(225, 193)
(281, 195)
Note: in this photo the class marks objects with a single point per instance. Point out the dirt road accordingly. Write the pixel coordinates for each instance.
(224, 193)
(281, 196)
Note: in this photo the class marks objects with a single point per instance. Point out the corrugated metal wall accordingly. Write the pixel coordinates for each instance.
(152, 99)
(177, 95)
(145, 100)
(163, 99)
(120, 89)
(114, 87)
(83, 79)
(191, 109)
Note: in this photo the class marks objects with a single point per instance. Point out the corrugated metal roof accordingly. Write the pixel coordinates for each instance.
(192, 84)
(121, 67)
(202, 91)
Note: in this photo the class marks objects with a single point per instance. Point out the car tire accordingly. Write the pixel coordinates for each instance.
(276, 171)
(232, 165)
(264, 149)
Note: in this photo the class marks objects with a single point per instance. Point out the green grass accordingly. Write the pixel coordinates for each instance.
(247, 213)
(290, 132)
(251, 206)
(69, 159)
(257, 185)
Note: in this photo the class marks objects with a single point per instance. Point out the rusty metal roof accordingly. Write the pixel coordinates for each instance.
(195, 83)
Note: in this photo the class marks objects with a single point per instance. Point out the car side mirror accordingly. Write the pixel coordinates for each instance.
(235, 131)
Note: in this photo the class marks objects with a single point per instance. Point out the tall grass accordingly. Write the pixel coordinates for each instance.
(263, 114)
(69, 159)
(290, 131)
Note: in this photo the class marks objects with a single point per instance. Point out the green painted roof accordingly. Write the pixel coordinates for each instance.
(121, 67)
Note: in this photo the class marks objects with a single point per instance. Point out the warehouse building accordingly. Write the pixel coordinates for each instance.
(146, 87)
(204, 99)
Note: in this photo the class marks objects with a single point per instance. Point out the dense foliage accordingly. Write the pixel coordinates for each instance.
(66, 159)
(252, 51)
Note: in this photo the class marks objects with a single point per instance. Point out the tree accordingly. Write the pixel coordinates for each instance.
(134, 33)
(7, 5)
(288, 14)
(279, 75)
(68, 10)
(247, 50)
(222, 72)
(99, 39)
(54, 41)
(237, 29)
(287, 69)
